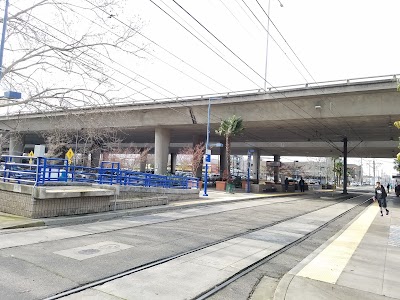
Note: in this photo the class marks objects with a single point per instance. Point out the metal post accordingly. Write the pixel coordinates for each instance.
(207, 145)
(266, 52)
(248, 174)
(3, 37)
(248, 169)
(345, 166)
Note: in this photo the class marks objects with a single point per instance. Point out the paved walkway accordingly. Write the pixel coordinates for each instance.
(8, 221)
(360, 262)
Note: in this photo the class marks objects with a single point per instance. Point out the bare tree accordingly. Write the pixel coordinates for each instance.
(63, 54)
(129, 158)
(88, 142)
(192, 157)
(4, 139)
(57, 142)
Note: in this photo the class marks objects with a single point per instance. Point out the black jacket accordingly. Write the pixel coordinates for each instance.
(380, 193)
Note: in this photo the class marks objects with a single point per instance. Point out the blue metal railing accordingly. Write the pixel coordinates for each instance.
(18, 169)
(39, 170)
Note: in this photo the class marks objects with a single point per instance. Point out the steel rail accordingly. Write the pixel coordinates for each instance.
(220, 285)
(262, 261)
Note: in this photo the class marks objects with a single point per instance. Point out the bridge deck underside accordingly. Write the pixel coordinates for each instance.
(302, 123)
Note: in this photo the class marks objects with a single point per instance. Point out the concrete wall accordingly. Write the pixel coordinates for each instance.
(52, 201)
(24, 205)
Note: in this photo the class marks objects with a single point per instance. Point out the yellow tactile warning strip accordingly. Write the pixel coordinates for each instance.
(329, 264)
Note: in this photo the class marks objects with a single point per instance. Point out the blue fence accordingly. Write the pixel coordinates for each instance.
(38, 171)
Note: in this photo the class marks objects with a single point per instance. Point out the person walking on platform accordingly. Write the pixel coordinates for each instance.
(301, 184)
(388, 188)
(286, 184)
(380, 195)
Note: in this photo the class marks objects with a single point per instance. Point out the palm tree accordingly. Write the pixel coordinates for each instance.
(229, 128)
(338, 170)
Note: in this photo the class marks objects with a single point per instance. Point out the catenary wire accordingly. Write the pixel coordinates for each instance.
(298, 58)
(255, 72)
(161, 47)
(191, 33)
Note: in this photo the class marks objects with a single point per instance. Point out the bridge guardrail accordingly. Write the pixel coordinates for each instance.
(278, 89)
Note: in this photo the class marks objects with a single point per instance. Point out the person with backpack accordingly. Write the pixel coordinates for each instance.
(380, 196)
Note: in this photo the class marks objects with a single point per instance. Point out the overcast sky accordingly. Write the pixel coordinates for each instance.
(338, 39)
(330, 40)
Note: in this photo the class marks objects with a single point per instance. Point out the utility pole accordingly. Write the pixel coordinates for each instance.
(374, 169)
(3, 38)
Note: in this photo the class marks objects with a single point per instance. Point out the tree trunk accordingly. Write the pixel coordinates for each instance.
(228, 155)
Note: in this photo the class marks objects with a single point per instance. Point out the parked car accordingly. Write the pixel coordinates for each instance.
(295, 183)
(212, 177)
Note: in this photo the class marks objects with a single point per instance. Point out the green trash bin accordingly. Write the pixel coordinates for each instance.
(230, 187)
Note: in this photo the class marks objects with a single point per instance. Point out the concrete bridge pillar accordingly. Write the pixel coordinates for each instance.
(255, 169)
(173, 162)
(16, 144)
(95, 158)
(161, 150)
(143, 160)
(277, 158)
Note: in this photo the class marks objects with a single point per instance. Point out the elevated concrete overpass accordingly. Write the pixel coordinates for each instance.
(302, 120)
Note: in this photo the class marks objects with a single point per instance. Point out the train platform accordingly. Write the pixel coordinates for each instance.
(360, 262)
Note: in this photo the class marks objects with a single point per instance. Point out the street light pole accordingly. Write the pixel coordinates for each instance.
(3, 37)
(249, 152)
(208, 147)
(266, 52)
(208, 151)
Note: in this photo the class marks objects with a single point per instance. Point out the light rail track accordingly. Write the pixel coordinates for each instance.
(241, 273)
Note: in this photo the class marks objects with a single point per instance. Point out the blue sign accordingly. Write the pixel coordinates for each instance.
(208, 158)
(12, 95)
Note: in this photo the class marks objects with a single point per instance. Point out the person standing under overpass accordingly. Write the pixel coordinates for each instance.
(380, 195)
(301, 184)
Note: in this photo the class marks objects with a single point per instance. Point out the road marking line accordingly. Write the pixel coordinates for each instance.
(329, 264)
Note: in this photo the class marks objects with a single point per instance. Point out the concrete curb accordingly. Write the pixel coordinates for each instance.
(24, 225)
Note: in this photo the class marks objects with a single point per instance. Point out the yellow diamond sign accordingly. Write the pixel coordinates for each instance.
(69, 155)
(31, 154)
